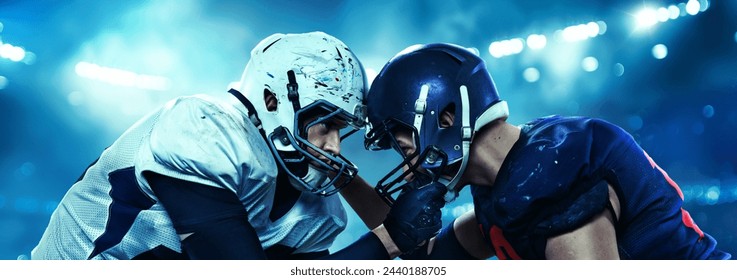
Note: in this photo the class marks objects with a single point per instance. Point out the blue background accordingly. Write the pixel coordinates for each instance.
(682, 108)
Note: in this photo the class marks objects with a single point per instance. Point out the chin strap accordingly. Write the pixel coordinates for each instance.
(252, 115)
(500, 110)
(466, 146)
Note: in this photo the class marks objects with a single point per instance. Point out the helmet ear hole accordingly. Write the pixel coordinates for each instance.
(446, 118)
(270, 100)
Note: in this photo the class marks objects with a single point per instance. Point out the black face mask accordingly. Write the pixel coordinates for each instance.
(298, 163)
(383, 137)
(394, 184)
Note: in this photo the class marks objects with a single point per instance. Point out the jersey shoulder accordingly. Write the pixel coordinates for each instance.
(201, 139)
(549, 176)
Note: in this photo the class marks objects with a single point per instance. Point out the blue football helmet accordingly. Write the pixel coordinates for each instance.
(410, 92)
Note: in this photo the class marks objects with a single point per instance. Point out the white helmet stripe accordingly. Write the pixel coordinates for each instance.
(421, 106)
(466, 120)
(496, 111)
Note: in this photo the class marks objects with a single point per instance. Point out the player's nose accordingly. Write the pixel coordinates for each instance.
(332, 142)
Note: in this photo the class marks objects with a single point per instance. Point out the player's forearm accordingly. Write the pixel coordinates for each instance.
(370, 246)
(365, 202)
(386, 240)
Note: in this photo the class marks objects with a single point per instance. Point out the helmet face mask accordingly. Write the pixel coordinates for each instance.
(394, 183)
(316, 81)
(419, 167)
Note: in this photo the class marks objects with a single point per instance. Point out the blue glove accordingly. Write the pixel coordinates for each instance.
(415, 216)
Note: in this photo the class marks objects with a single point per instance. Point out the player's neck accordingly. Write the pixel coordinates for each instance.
(489, 148)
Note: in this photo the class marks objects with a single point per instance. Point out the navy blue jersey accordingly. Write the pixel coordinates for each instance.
(554, 180)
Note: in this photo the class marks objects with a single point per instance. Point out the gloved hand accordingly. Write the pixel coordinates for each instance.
(415, 216)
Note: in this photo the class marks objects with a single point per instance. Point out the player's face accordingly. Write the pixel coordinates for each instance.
(326, 136)
(406, 146)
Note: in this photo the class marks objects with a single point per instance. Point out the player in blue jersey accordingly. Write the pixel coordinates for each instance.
(554, 188)
(252, 177)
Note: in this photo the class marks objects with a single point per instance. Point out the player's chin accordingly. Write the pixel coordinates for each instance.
(321, 165)
(331, 172)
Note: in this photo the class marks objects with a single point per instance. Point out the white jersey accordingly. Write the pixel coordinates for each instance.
(112, 213)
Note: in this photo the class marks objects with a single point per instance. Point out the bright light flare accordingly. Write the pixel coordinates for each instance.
(646, 18)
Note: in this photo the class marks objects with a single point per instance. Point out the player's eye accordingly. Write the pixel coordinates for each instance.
(322, 128)
(405, 150)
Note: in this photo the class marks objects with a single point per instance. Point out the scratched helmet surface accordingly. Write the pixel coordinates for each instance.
(309, 74)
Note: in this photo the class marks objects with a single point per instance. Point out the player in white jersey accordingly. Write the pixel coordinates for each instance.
(252, 178)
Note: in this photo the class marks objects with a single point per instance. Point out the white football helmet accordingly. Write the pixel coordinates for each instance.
(310, 74)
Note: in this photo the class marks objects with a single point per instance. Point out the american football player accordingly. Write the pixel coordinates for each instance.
(252, 178)
(554, 188)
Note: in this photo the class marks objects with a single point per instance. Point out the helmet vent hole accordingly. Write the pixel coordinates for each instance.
(270, 100)
(446, 118)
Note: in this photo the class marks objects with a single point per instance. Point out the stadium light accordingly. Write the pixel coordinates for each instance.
(693, 7)
(646, 18)
(673, 12)
(120, 77)
(12, 53)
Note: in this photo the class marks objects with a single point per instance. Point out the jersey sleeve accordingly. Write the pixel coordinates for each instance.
(196, 140)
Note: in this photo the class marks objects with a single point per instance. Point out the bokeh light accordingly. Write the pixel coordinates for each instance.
(590, 64)
(618, 69)
(3, 82)
(660, 51)
(531, 74)
(708, 111)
